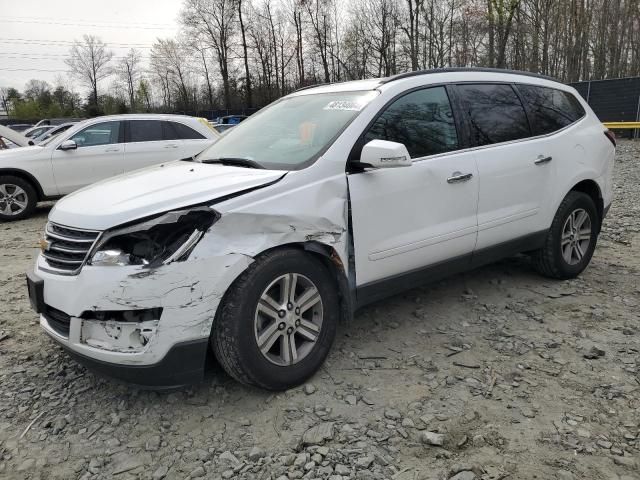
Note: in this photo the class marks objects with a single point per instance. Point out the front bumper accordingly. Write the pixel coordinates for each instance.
(182, 365)
(158, 352)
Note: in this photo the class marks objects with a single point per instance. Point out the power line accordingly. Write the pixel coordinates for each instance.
(68, 43)
(54, 56)
(94, 25)
(29, 70)
(66, 19)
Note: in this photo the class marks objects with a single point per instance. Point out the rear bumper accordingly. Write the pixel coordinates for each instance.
(184, 364)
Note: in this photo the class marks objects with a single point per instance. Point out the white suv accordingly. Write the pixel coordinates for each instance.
(328, 199)
(94, 150)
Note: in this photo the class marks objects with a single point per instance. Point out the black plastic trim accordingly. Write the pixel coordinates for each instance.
(35, 289)
(184, 364)
(379, 289)
(466, 69)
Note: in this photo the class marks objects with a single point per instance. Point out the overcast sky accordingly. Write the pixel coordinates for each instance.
(35, 35)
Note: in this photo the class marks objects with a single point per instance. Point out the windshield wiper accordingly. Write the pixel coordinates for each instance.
(234, 162)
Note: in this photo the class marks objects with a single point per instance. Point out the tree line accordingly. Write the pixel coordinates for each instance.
(232, 54)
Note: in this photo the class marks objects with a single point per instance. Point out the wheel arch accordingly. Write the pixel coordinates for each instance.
(331, 260)
(23, 174)
(591, 188)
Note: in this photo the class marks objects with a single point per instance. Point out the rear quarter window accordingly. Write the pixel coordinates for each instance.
(549, 109)
(179, 131)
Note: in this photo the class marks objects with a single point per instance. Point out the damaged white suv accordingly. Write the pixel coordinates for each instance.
(328, 199)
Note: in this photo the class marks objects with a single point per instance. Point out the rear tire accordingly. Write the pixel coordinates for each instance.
(571, 240)
(18, 198)
(262, 335)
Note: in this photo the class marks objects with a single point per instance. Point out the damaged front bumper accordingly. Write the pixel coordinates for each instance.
(148, 327)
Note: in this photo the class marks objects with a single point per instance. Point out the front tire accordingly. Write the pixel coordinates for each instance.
(571, 240)
(278, 320)
(18, 198)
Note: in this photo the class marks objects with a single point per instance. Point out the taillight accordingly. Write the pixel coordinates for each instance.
(611, 136)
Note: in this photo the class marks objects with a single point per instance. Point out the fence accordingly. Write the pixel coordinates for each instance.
(615, 101)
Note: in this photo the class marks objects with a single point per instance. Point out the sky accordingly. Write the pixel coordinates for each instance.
(35, 35)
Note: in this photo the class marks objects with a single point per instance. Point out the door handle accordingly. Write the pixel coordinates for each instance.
(112, 149)
(542, 160)
(173, 145)
(457, 177)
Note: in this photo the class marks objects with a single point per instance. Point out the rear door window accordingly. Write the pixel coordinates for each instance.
(550, 110)
(179, 131)
(494, 112)
(145, 131)
(421, 120)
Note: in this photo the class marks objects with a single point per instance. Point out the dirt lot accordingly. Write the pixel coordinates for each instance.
(481, 376)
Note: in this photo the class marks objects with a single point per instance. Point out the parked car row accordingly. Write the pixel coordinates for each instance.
(71, 156)
(327, 200)
(222, 124)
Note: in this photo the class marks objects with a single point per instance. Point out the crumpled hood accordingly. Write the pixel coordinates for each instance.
(152, 190)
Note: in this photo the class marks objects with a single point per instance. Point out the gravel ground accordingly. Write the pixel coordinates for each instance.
(494, 374)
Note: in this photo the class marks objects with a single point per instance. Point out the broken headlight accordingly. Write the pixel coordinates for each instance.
(164, 239)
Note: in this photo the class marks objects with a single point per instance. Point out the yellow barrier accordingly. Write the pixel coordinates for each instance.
(622, 125)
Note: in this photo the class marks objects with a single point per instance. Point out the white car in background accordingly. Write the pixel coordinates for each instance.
(10, 138)
(56, 130)
(35, 132)
(93, 150)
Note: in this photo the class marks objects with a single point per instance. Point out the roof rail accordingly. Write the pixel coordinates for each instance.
(311, 86)
(465, 69)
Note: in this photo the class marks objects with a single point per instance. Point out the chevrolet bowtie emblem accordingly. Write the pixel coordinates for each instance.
(44, 245)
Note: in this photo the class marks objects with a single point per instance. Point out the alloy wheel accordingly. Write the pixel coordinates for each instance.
(288, 319)
(576, 236)
(13, 199)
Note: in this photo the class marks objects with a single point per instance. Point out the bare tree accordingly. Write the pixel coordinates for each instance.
(245, 56)
(89, 62)
(249, 52)
(214, 22)
(319, 15)
(170, 64)
(129, 71)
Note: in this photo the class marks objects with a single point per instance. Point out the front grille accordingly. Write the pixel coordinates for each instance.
(57, 320)
(67, 248)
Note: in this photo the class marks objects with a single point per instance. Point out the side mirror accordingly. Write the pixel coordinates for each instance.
(384, 154)
(68, 145)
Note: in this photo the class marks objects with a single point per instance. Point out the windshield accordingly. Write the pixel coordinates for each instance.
(292, 133)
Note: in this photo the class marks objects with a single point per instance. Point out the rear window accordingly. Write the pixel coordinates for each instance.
(549, 109)
(179, 131)
(145, 131)
(495, 113)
